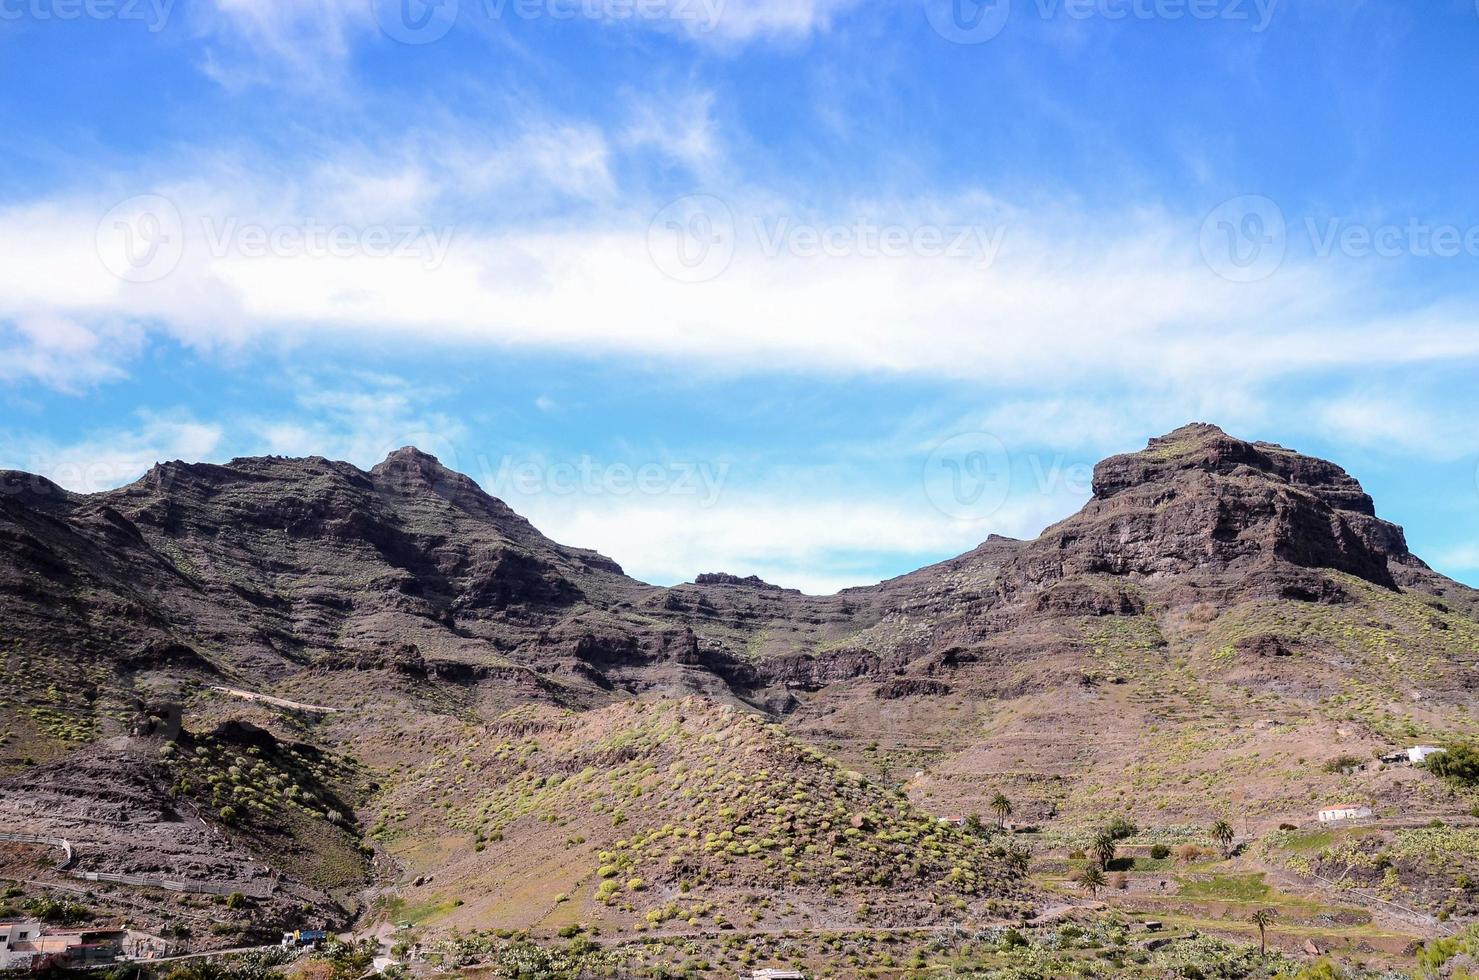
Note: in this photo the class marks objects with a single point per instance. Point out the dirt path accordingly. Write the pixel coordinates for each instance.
(276, 702)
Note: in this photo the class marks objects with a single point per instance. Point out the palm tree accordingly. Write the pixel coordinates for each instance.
(1019, 859)
(1002, 807)
(1092, 879)
(1104, 847)
(1263, 918)
(1222, 833)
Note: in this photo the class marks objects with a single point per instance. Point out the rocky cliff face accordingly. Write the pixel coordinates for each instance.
(1211, 584)
(1199, 500)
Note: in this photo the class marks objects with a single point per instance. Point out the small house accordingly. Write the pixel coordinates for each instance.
(14, 931)
(29, 945)
(18, 943)
(953, 821)
(1345, 811)
(777, 975)
(1418, 754)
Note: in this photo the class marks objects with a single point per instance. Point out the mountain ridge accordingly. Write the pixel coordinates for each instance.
(1219, 613)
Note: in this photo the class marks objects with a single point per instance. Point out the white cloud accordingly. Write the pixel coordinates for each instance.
(681, 128)
(63, 353)
(1380, 421)
(528, 240)
(357, 417)
(815, 541)
(819, 545)
(298, 41)
(747, 20)
(1460, 558)
(307, 42)
(111, 459)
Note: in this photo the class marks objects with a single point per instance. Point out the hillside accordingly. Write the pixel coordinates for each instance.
(339, 683)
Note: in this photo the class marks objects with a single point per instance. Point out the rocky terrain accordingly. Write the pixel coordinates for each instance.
(389, 696)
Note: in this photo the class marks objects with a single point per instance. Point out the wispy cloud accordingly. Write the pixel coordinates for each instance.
(1382, 420)
(111, 458)
(306, 43)
(1028, 294)
(354, 416)
(817, 545)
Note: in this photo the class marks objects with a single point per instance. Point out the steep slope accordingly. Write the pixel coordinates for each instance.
(679, 815)
(1222, 620)
(1222, 616)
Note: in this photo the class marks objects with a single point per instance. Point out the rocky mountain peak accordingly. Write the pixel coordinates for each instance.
(1201, 448)
(748, 581)
(409, 470)
(1199, 501)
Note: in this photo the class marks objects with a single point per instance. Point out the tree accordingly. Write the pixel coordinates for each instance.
(1104, 848)
(1458, 763)
(1002, 807)
(1019, 859)
(1091, 879)
(1222, 833)
(1263, 918)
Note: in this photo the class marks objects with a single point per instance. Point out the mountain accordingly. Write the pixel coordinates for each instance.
(337, 684)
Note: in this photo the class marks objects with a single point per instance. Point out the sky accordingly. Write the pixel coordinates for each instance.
(820, 290)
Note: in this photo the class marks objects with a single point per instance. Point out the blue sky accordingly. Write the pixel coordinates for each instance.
(817, 289)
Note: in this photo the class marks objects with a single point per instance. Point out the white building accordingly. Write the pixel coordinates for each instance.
(1334, 814)
(777, 975)
(17, 942)
(1418, 754)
